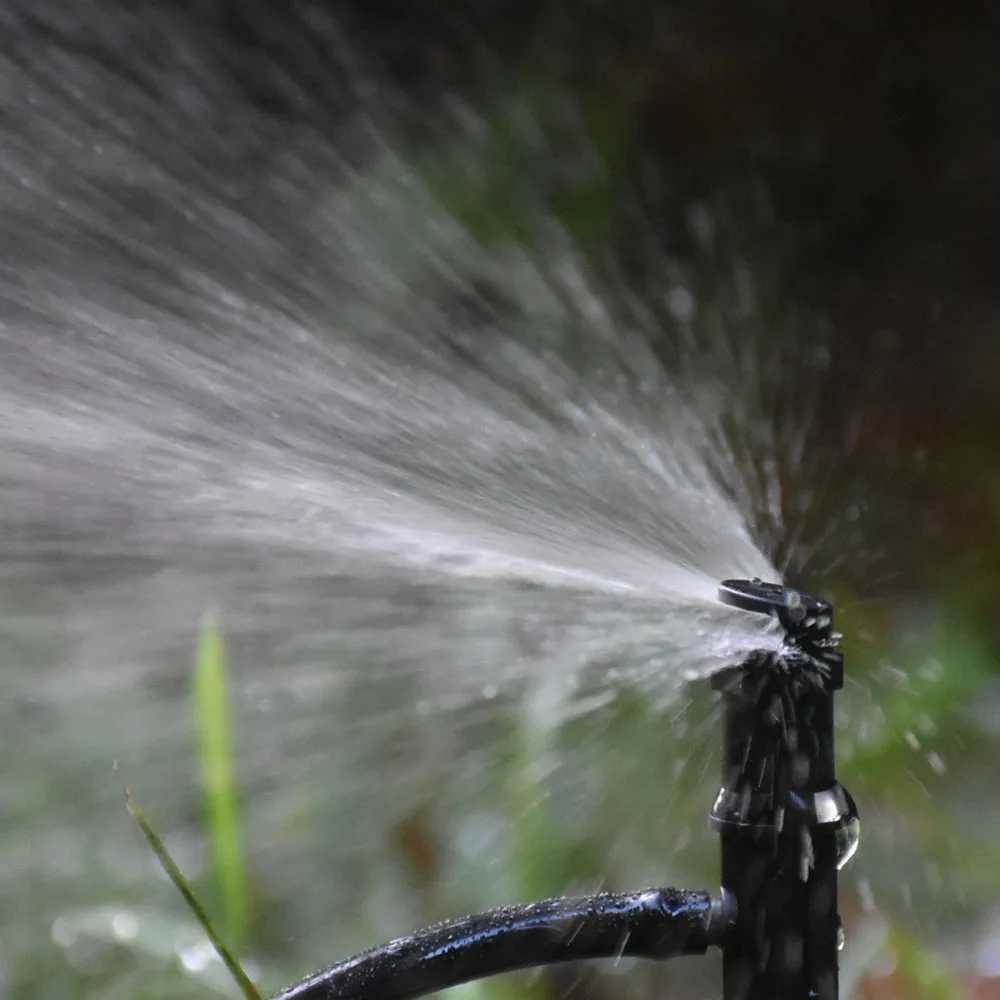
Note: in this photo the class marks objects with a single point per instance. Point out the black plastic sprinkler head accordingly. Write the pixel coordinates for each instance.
(811, 648)
(795, 609)
(787, 826)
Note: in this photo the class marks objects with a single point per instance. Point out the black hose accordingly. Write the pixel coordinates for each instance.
(655, 923)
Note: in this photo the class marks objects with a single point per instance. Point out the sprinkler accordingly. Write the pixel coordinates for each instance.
(785, 824)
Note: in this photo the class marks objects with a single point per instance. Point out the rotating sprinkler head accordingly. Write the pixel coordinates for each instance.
(810, 650)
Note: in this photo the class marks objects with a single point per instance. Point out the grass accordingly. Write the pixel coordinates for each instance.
(218, 771)
(213, 729)
(176, 876)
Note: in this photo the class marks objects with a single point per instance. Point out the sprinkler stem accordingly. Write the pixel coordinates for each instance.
(786, 825)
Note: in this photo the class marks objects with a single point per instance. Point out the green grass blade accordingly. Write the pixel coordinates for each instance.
(250, 992)
(215, 746)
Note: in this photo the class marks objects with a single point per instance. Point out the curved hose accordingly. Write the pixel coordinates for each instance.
(654, 923)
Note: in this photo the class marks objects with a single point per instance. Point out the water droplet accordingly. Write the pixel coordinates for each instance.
(478, 835)
(197, 957)
(124, 926)
(64, 931)
(681, 305)
(932, 670)
(865, 895)
(700, 224)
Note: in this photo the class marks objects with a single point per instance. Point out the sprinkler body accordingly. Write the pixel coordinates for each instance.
(786, 825)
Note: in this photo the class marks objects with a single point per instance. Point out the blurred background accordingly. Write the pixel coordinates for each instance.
(810, 193)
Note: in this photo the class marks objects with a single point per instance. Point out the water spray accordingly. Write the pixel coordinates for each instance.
(786, 828)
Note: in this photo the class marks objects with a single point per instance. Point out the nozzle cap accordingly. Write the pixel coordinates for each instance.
(794, 608)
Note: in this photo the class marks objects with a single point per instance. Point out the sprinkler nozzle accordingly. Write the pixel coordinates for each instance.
(810, 641)
(798, 612)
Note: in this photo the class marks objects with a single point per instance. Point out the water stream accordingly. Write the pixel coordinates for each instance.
(423, 484)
